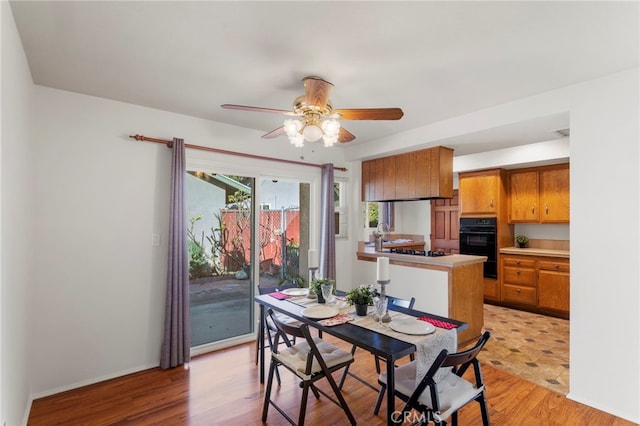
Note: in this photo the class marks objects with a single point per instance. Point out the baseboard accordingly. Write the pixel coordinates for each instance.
(592, 404)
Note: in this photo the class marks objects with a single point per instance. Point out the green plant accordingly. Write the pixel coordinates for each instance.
(522, 239)
(362, 295)
(316, 284)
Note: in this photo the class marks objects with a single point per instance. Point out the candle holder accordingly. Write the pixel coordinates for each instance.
(312, 276)
(383, 297)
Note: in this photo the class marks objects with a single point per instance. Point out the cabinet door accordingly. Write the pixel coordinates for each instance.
(377, 176)
(554, 194)
(423, 173)
(523, 196)
(366, 189)
(553, 290)
(478, 194)
(389, 179)
(406, 176)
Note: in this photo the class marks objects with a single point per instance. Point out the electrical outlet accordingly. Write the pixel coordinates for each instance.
(155, 240)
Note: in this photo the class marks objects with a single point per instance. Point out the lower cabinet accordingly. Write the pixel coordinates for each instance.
(535, 283)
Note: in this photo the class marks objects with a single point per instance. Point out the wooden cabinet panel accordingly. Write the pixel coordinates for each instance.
(406, 176)
(445, 224)
(554, 290)
(523, 196)
(521, 276)
(519, 294)
(491, 289)
(378, 179)
(554, 265)
(479, 193)
(539, 194)
(519, 262)
(554, 194)
(417, 175)
(389, 178)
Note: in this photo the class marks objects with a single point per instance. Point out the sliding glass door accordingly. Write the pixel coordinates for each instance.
(220, 230)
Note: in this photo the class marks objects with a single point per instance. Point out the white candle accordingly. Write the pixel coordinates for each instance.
(383, 269)
(313, 258)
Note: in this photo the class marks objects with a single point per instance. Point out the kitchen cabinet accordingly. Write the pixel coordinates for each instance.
(539, 195)
(519, 280)
(416, 175)
(553, 284)
(536, 283)
(482, 193)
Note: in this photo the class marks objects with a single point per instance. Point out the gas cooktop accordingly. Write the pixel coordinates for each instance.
(413, 252)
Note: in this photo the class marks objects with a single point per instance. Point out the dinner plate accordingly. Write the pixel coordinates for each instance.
(295, 291)
(411, 326)
(320, 312)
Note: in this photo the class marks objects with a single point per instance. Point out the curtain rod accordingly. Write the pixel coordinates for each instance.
(222, 151)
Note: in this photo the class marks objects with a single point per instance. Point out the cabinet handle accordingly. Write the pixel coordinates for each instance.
(533, 209)
(546, 209)
(491, 204)
(517, 290)
(517, 262)
(556, 266)
(518, 272)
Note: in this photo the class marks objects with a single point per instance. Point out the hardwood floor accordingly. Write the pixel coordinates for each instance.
(222, 388)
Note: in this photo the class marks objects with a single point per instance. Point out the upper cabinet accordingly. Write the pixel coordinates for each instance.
(539, 195)
(482, 193)
(423, 174)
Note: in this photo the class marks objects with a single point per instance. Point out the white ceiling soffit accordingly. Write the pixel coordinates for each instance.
(435, 60)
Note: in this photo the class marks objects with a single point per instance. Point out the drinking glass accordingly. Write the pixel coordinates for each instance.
(327, 293)
(380, 308)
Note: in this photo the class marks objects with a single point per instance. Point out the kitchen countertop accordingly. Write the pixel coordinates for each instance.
(535, 252)
(448, 261)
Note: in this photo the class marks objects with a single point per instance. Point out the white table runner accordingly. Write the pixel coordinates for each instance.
(427, 346)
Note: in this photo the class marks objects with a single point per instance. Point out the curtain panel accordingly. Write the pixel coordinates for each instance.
(176, 344)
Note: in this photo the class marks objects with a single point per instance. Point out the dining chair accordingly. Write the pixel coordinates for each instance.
(269, 327)
(310, 360)
(393, 302)
(437, 401)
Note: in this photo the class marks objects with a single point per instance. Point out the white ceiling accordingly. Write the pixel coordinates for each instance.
(435, 60)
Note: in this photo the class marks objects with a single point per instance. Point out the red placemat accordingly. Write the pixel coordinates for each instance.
(438, 323)
(279, 295)
(338, 319)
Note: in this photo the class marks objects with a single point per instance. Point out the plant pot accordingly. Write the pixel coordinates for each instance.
(522, 245)
(361, 310)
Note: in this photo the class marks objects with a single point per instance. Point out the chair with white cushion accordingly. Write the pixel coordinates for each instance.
(437, 401)
(311, 359)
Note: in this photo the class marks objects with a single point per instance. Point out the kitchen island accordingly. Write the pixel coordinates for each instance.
(450, 286)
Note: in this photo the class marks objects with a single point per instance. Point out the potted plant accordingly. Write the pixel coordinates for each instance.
(522, 240)
(361, 297)
(316, 287)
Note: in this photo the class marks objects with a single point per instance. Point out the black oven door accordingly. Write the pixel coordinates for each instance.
(479, 243)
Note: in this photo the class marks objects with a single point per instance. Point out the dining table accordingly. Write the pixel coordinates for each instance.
(379, 340)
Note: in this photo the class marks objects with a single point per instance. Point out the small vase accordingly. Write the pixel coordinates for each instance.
(361, 310)
(321, 298)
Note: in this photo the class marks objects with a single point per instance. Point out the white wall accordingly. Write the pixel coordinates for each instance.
(605, 192)
(16, 259)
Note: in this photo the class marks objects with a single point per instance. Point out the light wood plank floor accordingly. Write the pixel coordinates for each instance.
(222, 388)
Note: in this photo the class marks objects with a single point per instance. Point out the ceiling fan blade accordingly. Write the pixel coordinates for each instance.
(258, 109)
(274, 133)
(316, 91)
(345, 135)
(370, 114)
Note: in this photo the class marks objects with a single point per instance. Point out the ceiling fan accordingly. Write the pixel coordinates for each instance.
(316, 116)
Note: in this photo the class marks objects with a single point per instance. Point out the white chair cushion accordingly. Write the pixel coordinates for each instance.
(453, 391)
(282, 318)
(295, 357)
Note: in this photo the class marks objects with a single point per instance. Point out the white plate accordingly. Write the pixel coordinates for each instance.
(411, 326)
(295, 291)
(320, 312)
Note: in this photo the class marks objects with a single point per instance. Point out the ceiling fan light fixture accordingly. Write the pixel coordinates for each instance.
(312, 132)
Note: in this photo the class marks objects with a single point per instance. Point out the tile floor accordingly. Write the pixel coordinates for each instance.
(532, 346)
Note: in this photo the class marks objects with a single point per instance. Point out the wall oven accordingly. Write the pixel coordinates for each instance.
(478, 236)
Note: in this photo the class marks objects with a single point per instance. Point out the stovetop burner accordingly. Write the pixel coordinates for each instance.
(413, 252)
